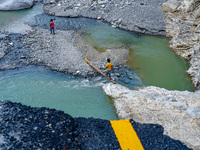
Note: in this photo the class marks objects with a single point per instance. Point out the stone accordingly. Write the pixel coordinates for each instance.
(170, 6)
(15, 4)
(22, 57)
(197, 13)
(2, 36)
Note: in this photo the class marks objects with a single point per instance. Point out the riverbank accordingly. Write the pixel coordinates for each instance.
(144, 16)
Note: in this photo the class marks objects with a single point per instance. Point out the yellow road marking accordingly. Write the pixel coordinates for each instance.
(126, 135)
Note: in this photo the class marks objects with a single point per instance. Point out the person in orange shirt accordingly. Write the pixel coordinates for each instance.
(109, 68)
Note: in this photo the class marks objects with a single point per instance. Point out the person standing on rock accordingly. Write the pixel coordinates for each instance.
(109, 68)
(52, 27)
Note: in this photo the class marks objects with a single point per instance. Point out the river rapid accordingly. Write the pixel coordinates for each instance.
(151, 62)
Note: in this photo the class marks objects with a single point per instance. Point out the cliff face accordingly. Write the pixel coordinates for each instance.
(182, 19)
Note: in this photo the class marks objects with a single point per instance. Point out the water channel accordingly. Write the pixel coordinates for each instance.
(151, 62)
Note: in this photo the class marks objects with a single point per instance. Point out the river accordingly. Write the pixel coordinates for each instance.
(151, 62)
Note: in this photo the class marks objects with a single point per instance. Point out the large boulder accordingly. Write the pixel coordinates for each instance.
(15, 4)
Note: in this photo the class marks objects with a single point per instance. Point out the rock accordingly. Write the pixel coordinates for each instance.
(2, 54)
(178, 112)
(197, 13)
(113, 26)
(11, 43)
(15, 5)
(170, 6)
(22, 57)
(2, 36)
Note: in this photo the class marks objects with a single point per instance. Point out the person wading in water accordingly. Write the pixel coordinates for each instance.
(109, 68)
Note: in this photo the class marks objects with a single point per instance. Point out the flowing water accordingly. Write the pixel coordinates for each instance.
(150, 57)
(41, 87)
(151, 62)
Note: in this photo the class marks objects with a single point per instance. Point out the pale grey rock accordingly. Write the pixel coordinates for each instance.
(178, 112)
(15, 4)
(2, 36)
(182, 19)
(2, 54)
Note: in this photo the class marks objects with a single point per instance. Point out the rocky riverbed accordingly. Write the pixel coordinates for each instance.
(63, 52)
(142, 16)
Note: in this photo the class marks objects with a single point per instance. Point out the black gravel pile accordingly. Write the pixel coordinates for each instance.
(24, 127)
(152, 138)
(96, 134)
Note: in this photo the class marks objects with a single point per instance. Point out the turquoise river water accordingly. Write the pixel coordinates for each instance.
(150, 59)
